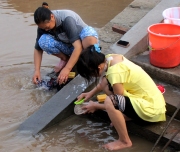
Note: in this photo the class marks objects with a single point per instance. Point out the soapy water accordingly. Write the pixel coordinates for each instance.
(47, 83)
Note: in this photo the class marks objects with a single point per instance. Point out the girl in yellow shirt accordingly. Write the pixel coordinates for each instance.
(131, 93)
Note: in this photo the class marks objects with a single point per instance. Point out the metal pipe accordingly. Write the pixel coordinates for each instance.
(178, 107)
(170, 140)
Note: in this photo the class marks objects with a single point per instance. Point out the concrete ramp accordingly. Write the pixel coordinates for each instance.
(59, 107)
(137, 36)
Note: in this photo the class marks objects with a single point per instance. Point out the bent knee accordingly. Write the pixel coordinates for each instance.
(108, 104)
(89, 40)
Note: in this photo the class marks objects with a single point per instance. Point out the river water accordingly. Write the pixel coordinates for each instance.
(20, 98)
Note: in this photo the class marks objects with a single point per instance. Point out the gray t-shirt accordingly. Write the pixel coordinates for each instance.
(68, 27)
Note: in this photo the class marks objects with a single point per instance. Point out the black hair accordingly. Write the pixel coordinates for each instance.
(88, 62)
(42, 14)
(44, 3)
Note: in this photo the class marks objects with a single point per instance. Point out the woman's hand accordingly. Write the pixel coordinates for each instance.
(36, 77)
(63, 76)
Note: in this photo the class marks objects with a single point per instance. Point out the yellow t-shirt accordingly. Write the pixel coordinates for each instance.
(146, 99)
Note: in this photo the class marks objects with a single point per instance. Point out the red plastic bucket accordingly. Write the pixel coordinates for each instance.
(164, 45)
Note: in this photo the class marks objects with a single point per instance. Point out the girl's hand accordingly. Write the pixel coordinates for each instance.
(90, 107)
(86, 96)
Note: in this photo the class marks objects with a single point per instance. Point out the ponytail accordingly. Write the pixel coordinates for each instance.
(45, 5)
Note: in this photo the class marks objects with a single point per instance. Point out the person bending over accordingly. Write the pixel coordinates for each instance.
(63, 34)
(44, 4)
(131, 93)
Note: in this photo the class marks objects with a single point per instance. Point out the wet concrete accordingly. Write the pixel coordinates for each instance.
(154, 130)
(55, 109)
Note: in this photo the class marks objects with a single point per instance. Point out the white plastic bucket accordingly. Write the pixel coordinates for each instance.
(172, 15)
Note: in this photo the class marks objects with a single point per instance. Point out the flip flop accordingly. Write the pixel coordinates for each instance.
(161, 88)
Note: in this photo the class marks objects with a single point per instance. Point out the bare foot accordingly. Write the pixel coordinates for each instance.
(60, 66)
(117, 145)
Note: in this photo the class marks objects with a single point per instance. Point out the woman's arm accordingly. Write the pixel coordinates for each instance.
(63, 76)
(37, 64)
(75, 55)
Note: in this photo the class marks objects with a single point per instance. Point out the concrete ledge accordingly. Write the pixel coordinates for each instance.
(170, 76)
(137, 35)
(152, 132)
(59, 107)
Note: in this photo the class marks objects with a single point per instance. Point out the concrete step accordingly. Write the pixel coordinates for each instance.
(169, 78)
(169, 75)
(152, 132)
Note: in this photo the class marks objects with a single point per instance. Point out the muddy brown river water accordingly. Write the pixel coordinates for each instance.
(20, 98)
